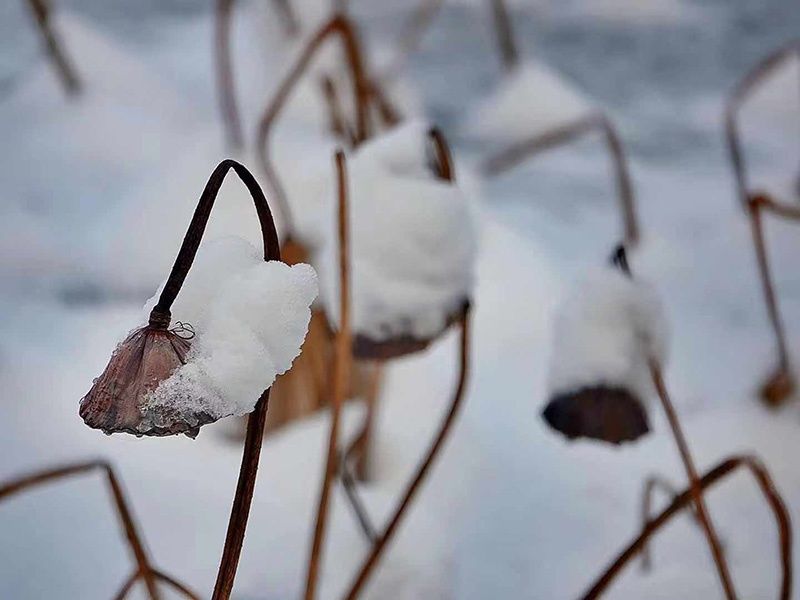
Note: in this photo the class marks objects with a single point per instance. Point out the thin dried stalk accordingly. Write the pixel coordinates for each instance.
(504, 34)
(651, 485)
(225, 79)
(369, 564)
(694, 483)
(683, 500)
(341, 27)
(256, 421)
(61, 63)
(341, 373)
(144, 569)
(740, 94)
(351, 492)
(721, 564)
(781, 383)
(517, 153)
(338, 125)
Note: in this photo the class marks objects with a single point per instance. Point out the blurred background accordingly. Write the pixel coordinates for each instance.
(97, 190)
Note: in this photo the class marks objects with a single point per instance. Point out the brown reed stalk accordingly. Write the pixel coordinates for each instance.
(341, 27)
(144, 569)
(518, 152)
(651, 485)
(443, 167)
(341, 372)
(694, 482)
(338, 124)
(684, 499)
(255, 424)
(621, 261)
(367, 94)
(781, 383)
(226, 85)
(369, 564)
(58, 57)
(735, 101)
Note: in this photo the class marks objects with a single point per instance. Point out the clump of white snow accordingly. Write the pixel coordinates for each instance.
(412, 238)
(532, 100)
(606, 330)
(250, 318)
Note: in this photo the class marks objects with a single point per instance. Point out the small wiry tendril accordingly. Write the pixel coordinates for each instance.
(183, 330)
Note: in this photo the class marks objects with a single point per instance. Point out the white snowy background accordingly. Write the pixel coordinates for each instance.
(511, 509)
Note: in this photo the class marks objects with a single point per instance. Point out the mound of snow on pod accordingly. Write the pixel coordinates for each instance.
(413, 240)
(606, 329)
(250, 318)
(531, 101)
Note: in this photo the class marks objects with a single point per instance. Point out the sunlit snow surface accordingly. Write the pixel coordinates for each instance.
(511, 510)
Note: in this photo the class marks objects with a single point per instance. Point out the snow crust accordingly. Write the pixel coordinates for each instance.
(607, 329)
(250, 318)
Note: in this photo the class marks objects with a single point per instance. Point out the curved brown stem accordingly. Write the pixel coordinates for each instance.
(781, 384)
(737, 98)
(517, 153)
(684, 499)
(194, 234)
(341, 375)
(255, 424)
(651, 485)
(338, 124)
(144, 568)
(66, 72)
(691, 472)
(339, 26)
(240, 511)
(504, 34)
(368, 566)
(225, 79)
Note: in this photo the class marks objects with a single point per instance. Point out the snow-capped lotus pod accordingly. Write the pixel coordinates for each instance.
(607, 332)
(146, 357)
(412, 243)
(120, 400)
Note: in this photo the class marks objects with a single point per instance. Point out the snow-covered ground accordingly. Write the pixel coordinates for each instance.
(512, 510)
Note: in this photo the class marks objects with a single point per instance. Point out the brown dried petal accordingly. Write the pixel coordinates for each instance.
(609, 414)
(117, 401)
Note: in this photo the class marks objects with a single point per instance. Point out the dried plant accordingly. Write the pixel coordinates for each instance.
(144, 570)
(597, 122)
(684, 499)
(109, 399)
(694, 495)
(349, 346)
(305, 388)
(225, 78)
(366, 94)
(40, 9)
(781, 383)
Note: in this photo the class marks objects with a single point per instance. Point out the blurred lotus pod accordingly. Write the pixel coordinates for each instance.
(608, 414)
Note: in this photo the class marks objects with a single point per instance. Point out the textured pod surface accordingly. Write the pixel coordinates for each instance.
(118, 400)
(609, 414)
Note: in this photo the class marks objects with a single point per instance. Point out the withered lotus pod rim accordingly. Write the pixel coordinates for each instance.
(118, 399)
(366, 347)
(606, 413)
